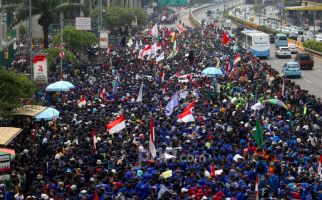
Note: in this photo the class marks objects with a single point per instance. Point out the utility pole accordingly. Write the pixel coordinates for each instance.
(61, 42)
(30, 42)
(314, 20)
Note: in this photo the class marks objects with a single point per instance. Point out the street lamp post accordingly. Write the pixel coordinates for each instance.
(61, 43)
(30, 42)
(314, 20)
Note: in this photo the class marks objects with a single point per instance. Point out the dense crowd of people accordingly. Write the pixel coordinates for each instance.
(214, 157)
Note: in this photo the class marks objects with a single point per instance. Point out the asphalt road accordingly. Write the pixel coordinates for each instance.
(311, 80)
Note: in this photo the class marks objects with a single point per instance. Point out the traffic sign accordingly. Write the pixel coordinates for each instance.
(61, 54)
(173, 2)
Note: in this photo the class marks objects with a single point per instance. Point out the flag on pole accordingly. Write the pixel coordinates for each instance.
(82, 102)
(160, 57)
(102, 94)
(257, 187)
(140, 96)
(162, 74)
(130, 42)
(174, 102)
(259, 134)
(94, 141)
(116, 125)
(225, 39)
(147, 50)
(173, 37)
(154, 30)
(186, 116)
(237, 59)
(213, 172)
(320, 166)
(152, 139)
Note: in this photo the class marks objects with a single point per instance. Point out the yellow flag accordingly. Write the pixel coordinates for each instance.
(167, 174)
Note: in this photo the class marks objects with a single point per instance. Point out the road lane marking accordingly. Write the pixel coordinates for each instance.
(307, 80)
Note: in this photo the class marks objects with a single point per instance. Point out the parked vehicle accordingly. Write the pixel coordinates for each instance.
(291, 68)
(283, 52)
(293, 48)
(305, 60)
(281, 40)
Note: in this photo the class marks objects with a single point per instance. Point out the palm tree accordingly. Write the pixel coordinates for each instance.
(47, 9)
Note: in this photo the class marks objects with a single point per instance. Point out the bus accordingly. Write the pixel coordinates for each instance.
(256, 42)
(281, 40)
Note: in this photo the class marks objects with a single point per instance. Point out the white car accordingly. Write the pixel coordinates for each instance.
(293, 48)
(283, 52)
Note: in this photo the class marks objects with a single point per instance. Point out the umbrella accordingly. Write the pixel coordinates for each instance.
(4, 151)
(48, 114)
(213, 71)
(60, 86)
(276, 102)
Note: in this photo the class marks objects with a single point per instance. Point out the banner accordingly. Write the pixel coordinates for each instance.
(104, 40)
(40, 68)
(83, 23)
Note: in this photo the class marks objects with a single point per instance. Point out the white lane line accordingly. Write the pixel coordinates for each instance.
(307, 80)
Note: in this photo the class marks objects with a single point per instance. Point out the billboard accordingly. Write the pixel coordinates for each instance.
(40, 68)
(83, 23)
(104, 39)
(173, 2)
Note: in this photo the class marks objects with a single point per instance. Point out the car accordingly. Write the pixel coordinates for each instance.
(291, 68)
(293, 35)
(271, 38)
(305, 60)
(283, 52)
(293, 48)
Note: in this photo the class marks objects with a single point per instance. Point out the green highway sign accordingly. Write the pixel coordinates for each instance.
(173, 2)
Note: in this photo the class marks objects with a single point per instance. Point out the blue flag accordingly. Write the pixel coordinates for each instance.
(174, 102)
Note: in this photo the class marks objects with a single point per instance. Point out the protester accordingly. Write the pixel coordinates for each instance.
(216, 156)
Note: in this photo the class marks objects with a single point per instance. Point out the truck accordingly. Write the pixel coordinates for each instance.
(305, 60)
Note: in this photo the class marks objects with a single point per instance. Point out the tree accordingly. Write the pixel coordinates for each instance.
(121, 16)
(48, 11)
(53, 56)
(76, 40)
(13, 87)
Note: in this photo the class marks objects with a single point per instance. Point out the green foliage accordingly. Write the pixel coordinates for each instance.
(53, 56)
(13, 87)
(120, 16)
(314, 45)
(76, 40)
(22, 31)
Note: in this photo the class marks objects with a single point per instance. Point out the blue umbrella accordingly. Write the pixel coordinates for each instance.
(60, 86)
(47, 114)
(212, 71)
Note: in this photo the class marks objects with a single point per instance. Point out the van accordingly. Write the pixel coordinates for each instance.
(281, 40)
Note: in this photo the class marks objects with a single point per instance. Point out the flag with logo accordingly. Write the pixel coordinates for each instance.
(173, 103)
(116, 125)
(187, 116)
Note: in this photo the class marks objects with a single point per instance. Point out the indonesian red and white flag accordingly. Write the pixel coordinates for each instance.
(257, 187)
(147, 50)
(82, 102)
(187, 116)
(117, 125)
(180, 28)
(94, 141)
(320, 166)
(155, 30)
(237, 59)
(152, 140)
(162, 74)
(102, 93)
